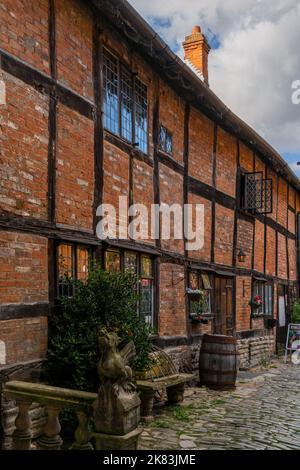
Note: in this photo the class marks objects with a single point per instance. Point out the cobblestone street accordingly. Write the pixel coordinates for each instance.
(263, 412)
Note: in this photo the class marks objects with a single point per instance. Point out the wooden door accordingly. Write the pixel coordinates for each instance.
(224, 321)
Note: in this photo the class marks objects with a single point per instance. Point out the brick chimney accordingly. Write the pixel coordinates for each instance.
(196, 50)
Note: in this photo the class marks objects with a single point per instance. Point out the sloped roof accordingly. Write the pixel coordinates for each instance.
(126, 19)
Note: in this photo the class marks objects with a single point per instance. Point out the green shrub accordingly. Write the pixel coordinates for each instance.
(108, 300)
(296, 312)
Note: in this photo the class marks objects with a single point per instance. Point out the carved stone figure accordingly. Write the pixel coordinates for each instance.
(117, 407)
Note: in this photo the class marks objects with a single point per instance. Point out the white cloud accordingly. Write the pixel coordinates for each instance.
(258, 59)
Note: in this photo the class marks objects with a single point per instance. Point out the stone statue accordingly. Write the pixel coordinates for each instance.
(117, 407)
(113, 368)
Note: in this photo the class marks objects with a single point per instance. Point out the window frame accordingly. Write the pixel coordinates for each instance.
(139, 255)
(74, 268)
(200, 273)
(264, 287)
(122, 66)
(163, 145)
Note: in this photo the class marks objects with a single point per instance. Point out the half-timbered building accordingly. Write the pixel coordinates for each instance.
(94, 105)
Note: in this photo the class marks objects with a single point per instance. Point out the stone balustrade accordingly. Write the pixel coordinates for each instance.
(54, 399)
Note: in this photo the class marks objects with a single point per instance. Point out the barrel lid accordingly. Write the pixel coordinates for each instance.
(223, 339)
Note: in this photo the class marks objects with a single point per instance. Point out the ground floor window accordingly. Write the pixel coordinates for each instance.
(264, 290)
(199, 280)
(142, 266)
(73, 262)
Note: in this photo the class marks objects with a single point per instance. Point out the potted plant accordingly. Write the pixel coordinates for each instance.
(200, 309)
(256, 302)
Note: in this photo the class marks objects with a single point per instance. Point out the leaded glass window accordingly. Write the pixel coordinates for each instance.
(111, 93)
(73, 262)
(125, 103)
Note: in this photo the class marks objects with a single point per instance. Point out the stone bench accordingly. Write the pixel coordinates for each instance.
(174, 385)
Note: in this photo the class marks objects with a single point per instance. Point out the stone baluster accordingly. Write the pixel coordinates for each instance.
(51, 439)
(22, 434)
(82, 434)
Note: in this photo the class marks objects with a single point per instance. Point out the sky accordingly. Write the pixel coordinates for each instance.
(254, 59)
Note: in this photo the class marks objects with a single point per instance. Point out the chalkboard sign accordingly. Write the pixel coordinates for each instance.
(292, 339)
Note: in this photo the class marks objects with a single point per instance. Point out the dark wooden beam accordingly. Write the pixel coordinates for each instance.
(128, 148)
(235, 248)
(14, 311)
(213, 203)
(186, 141)
(265, 231)
(98, 126)
(286, 237)
(170, 163)
(253, 240)
(45, 84)
(212, 194)
(276, 234)
(155, 132)
(52, 117)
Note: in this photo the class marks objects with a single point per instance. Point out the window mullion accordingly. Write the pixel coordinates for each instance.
(133, 110)
(119, 98)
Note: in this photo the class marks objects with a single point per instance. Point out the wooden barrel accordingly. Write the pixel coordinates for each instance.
(218, 361)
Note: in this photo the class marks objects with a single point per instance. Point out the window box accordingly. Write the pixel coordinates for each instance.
(197, 318)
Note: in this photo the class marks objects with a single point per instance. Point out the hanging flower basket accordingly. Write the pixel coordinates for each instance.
(256, 302)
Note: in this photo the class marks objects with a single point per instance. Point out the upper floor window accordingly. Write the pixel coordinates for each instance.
(142, 266)
(125, 103)
(256, 193)
(73, 262)
(165, 140)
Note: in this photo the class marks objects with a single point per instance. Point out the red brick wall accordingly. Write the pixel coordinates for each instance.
(74, 25)
(24, 150)
(116, 176)
(245, 242)
(259, 246)
(143, 190)
(273, 176)
(171, 115)
(282, 265)
(75, 169)
(24, 31)
(246, 158)
(171, 192)
(201, 139)
(291, 221)
(24, 339)
(203, 254)
(223, 235)
(172, 316)
(243, 295)
(226, 162)
(292, 259)
(282, 203)
(23, 268)
(271, 252)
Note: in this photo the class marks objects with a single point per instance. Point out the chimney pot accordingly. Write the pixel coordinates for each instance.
(196, 50)
(196, 29)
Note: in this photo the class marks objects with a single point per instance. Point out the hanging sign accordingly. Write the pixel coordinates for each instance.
(293, 340)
